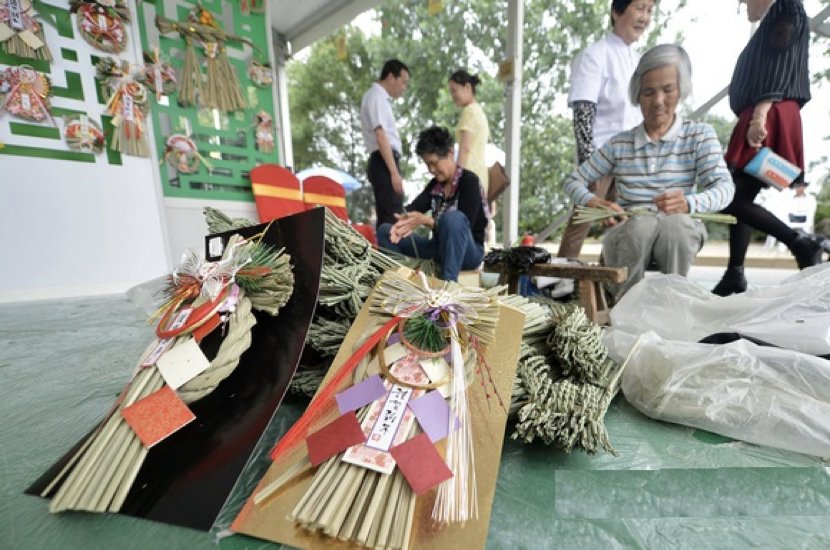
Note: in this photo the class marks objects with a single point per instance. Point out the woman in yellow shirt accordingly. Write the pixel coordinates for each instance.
(473, 132)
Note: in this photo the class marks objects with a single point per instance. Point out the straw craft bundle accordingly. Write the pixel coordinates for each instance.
(354, 504)
(221, 88)
(23, 36)
(99, 476)
(351, 268)
(562, 398)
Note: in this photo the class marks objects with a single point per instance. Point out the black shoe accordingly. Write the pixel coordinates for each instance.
(732, 282)
(806, 250)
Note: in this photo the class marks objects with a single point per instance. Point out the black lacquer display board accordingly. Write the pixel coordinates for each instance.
(186, 479)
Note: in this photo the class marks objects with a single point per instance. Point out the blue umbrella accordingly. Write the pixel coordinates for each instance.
(349, 182)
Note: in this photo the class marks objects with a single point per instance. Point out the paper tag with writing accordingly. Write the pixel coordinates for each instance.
(127, 107)
(182, 363)
(157, 82)
(103, 23)
(26, 102)
(181, 318)
(162, 346)
(408, 370)
(15, 14)
(389, 419)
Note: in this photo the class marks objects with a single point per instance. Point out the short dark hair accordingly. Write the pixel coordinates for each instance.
(393, 67)
(435, 140)
(462, 77)
(619, 7)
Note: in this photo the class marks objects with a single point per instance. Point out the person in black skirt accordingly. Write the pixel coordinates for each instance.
(770, 85)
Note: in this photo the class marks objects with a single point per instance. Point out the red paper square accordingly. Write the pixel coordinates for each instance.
(421, 463)
(157, 416)
(334, 438)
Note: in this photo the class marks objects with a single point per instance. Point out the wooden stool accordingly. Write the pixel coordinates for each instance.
(589, 277)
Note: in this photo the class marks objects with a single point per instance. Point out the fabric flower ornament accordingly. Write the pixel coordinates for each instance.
(28, 93)
(83, 134)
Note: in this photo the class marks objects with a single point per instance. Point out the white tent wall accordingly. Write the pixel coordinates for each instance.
(77, 228)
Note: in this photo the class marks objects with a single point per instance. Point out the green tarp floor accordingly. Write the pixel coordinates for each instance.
(62, 363)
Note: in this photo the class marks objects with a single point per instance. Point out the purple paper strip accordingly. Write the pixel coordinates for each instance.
(433, 415)
(394, 338)
(361, 394)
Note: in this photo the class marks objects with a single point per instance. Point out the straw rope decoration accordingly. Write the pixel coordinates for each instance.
(21, 34)
(27, 94)
(101, 23)
(99, 476)
(221, 88)
(83, 134)
(452, 307)
(358, 505)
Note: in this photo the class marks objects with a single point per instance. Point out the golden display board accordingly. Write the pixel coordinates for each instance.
(268, 519)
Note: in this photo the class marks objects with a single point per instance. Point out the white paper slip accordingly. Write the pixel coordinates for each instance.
(437, 369)
(182, 363)
(394, 352)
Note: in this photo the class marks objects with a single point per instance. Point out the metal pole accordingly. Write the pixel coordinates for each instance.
(513, 119)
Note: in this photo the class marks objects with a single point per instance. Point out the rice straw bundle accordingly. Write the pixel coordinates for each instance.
(592, 214)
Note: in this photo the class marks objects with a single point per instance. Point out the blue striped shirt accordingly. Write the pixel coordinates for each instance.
(688, 157)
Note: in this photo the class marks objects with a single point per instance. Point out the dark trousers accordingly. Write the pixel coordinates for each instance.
(387, 202)
(751, 215)
(452, 245)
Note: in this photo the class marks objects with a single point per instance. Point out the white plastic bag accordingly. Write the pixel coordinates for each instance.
(762, 395)
(794, 315)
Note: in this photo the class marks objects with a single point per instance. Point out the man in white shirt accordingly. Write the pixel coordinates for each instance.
(382, 140)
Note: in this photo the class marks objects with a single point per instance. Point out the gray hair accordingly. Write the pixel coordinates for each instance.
(661, 56)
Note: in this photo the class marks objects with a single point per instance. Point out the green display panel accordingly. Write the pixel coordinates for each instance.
(69, 96)
(225, 140)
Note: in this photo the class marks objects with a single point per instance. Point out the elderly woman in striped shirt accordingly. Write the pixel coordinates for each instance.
(671, 166)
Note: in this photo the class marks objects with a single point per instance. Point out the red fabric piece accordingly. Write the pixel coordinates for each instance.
(276, 191)
(367, 231)
(784, 135)
(324, 191)
(158, 416)
(334, 438)
(421, 464)
(203, 330)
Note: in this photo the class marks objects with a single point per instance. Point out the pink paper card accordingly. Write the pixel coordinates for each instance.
(433, 415)
(421, 464)
(157, 416)
(334, 438)
(360, 394)
(378, 458)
